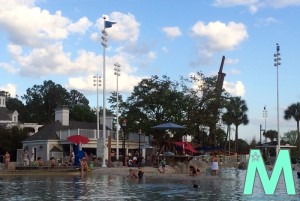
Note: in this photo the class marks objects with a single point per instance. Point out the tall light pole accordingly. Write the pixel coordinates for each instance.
(117, 73)
(265, 115)
(97, 83)
(277, 64)
(140, 132)
(104, 40)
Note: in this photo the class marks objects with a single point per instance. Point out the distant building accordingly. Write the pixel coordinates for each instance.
(8, 118)
(51, 140)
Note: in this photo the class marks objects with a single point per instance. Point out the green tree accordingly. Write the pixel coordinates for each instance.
(293, 112)
(42, 100)
(228, 118)
(154, 101)
(291, 137)
(238, 109)
(79, 107)
(205, 107)
(271, 134)
(10, 140)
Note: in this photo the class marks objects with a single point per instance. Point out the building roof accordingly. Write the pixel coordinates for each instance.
(49, 132)
(5, 114)
(55, 149)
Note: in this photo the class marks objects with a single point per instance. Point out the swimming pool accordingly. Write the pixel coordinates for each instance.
(227, 186)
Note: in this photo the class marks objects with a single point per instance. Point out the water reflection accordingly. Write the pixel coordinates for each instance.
(227, 186)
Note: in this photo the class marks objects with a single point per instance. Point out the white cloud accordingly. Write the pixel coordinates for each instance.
(266, 21)
(81, 26)
(231, 61)
(9, 68)
(126, 28)
(172, 32)
(95, 37)
(216, 37)
(11, 88)
(235, 88)
(254, 5)
(152, 55)
(36, 45)
(220, 36)
(283, 3)
(28, 25)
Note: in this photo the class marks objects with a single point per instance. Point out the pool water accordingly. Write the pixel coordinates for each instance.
(228, 185)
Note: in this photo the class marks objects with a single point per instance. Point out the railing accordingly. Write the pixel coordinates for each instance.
(64, 134)
(92, 135)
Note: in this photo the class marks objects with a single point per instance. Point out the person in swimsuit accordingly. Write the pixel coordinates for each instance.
(6, 159)
(214, 165)
(193, 171)
(84, 165)
(140, 172)
(137, 173)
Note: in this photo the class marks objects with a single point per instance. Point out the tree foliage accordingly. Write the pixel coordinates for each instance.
(42, 100)
(293, 112)
(271, 134)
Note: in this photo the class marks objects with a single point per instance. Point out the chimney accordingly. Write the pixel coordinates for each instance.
(62, 115)
(3, 98)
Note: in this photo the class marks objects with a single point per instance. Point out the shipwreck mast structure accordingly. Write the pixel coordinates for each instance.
(216, 104)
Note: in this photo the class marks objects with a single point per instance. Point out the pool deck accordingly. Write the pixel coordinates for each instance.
(40, 170)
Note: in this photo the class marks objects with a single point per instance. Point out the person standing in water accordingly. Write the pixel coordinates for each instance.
(214, 165)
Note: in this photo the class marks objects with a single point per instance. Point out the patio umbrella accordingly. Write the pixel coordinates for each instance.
(78, 139)
(146, 146)
(168, 153)
(168, 126)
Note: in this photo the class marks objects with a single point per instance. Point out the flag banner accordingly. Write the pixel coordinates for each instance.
(108, 24)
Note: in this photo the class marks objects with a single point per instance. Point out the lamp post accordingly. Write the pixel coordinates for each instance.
(97, 83)
(265, 115)
(117, 73)
(277, 64)
(103, 43)
(124, 127)
(140, 132)
(260, 130)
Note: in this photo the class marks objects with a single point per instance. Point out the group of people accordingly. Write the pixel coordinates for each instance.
(193, 171)
(136, 173)
(134, 161)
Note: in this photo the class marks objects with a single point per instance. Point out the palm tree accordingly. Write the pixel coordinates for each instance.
(293, 111)
(227, 119)
(239, 116)
(271, 134)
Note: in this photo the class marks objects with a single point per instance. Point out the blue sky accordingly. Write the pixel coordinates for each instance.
(60, 41)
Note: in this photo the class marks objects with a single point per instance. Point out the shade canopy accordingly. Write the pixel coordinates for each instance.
(78, 139)
(168, 153)
(186, 145)
(168, 126)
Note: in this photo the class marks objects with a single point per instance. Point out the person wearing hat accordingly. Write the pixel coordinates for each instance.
(84, 165)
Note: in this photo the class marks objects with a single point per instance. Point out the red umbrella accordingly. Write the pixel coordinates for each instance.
(78, 139)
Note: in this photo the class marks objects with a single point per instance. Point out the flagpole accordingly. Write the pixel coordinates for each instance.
(104, 105)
